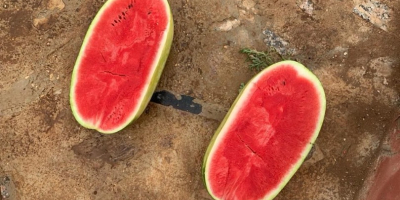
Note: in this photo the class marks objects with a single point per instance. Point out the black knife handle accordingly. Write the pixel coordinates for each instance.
(184, 103)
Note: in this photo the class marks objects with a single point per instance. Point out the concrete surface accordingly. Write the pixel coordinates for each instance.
(48, 155)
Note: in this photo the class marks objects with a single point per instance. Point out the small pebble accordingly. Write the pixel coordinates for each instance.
(385, 16)
(385, 82)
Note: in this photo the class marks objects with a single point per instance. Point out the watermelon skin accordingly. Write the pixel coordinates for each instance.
(120, 62)
(266, 135)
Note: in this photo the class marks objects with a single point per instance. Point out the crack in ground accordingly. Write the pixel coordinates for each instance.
(115, 74)
(254, 152)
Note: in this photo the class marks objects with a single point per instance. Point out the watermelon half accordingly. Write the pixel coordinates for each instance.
(120, 62)
(266, 134)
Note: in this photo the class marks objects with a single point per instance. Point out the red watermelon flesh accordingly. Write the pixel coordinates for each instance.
(120, 63)
(266, 134)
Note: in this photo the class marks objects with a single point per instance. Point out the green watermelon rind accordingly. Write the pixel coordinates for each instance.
(215, 141)
(159, 63)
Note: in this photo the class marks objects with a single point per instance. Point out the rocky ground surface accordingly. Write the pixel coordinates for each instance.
(353, 47)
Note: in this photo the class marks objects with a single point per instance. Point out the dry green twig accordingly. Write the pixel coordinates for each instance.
(260, 60)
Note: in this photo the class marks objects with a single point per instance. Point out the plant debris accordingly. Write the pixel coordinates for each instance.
(260, 60)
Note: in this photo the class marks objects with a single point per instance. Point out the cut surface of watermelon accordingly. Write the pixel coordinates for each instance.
(120, 63)
(266, 134)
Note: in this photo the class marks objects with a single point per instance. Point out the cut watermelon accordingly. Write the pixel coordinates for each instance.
(120, 62)
(266, 134)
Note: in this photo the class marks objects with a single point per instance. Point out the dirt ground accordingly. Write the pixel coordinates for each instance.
(48, 155)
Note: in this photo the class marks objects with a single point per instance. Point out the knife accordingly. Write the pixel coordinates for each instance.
(189, 104)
